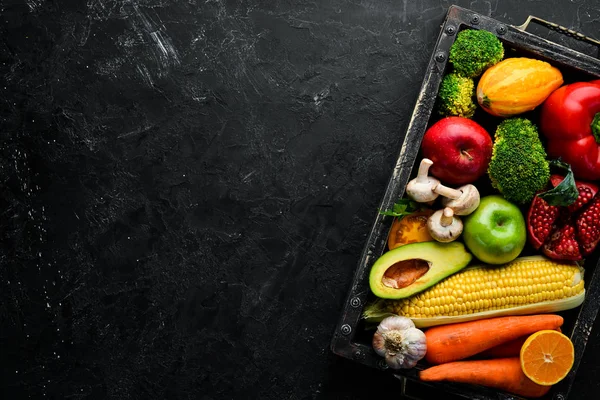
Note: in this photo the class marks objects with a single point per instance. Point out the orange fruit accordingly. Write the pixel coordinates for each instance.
(547, 357)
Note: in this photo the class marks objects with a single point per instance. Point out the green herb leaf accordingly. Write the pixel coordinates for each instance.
(565, 193)
(401, 208)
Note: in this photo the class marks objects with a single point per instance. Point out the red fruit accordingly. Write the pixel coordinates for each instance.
(587, 191)
(568, 121)
(566, 233)
(540, 220)
(588, 227)
(460, 149)
(563, 244)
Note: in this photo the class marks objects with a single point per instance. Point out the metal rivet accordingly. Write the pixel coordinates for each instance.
(440, 57)
(355, 302)
(382, 364)
(346, 329)
(475, 20)
(501, 30)
(358, 355)
(450, 30)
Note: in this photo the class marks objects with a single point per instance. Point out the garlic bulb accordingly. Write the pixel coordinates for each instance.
(399, 342)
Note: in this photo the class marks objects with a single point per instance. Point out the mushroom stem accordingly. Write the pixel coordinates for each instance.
(447, 217)
(444, 226)
(420, 189)
(422, 174)
(447, 191)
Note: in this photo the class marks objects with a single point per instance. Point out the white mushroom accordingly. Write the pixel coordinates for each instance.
(463, 201)
(444, 226)
(420, 189)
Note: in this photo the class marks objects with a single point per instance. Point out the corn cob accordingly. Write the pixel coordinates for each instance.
(527, 285)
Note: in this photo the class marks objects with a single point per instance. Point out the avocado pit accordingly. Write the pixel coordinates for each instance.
(404, 273)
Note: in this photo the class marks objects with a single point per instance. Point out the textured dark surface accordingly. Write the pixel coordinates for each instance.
(187, 186)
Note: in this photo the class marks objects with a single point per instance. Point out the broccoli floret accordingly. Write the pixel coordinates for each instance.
(474, 51)
(518, 168)
(455, 96)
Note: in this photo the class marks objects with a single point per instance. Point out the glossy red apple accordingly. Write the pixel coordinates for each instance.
(460, 149)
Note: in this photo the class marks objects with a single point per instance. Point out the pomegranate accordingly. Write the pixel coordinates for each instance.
(566, 233)
(540, 220)
(588, 227)
(563, 243)
(587, 191)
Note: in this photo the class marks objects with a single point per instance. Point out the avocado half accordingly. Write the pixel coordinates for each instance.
(414, 267)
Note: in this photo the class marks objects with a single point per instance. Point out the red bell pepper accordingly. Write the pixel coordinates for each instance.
(570, 120)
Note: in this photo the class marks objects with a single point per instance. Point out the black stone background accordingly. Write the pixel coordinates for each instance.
(186, 187)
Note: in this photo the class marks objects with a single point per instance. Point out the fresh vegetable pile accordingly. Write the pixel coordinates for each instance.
(472, 282)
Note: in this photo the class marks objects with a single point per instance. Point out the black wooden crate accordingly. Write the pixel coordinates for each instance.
(351, 338)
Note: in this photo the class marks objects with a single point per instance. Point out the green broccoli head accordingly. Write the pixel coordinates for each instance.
(518, 168)
(456, 95)
(474, 51)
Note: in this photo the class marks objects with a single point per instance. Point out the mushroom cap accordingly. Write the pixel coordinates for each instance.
(466, 203)
(444, 226)
(422, 192)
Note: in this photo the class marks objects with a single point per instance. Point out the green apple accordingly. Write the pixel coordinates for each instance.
(495, 232)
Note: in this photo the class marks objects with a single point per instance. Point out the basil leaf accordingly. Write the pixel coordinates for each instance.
(401, 208)
(565, 193)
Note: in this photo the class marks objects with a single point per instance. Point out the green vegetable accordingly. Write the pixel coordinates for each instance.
(518, 168)
(566, 192)
(402, 208)
(474, 51)
(455, 97)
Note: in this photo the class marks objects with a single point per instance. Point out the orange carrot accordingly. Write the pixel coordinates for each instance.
(453, 342)
(511, 348)
(502, 373)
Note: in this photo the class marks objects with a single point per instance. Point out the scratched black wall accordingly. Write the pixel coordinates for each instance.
(186, 186)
